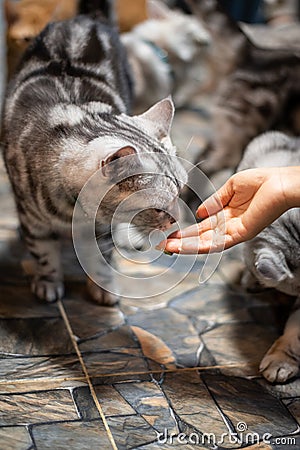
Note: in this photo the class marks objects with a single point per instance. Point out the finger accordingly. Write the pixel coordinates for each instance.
(206, 243)
(195, 230)
(216, 202)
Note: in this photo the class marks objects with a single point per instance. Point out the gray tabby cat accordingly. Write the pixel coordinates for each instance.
(258, 91)
(273, 257)
(66, 115)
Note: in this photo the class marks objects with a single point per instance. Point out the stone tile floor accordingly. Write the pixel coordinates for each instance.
(179, 369)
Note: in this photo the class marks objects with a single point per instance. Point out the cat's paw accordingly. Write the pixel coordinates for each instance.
(101, 296)
(278, 365)
(49, 290)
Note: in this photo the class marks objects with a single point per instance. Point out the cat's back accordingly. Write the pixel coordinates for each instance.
(271, 149)
(81, 39)
(76, 61)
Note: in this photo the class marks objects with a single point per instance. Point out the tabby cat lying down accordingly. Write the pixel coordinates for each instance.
(66, 115)
(273, 257)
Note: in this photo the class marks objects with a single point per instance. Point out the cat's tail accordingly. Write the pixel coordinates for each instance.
(104, 8)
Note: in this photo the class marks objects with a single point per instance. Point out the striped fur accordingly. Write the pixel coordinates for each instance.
(273, 257)
(66, 114)
(261, 95)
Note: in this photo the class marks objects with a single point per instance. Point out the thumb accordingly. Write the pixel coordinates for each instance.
(217, 201)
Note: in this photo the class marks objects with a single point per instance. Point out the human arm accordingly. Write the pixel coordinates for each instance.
(247, 203)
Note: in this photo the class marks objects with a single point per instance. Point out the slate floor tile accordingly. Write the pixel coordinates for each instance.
(41, 384)
(88, 319)
(238, 400)
(37, 407)
(39, 368)
(283, 390)
(112, 403)
(164, 292)
(15, 438)
(195, 409)
(72, 435)
(115, 363)
(293, 405)
(123, 337)
(157, 352)
(148, 400)
(175, 330)
(242, 344)
(18, 303)
(130, 431)
(214, 303)
(33, 337)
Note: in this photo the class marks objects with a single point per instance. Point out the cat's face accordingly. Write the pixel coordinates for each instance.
(148, 199)
(273, 256)
(143, 175)
(151, 176)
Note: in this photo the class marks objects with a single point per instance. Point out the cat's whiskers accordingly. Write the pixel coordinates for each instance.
(189, 144)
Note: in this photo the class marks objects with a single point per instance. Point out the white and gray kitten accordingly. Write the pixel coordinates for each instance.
(272, 258)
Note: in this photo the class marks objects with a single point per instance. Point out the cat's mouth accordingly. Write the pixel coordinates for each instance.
(156, 219)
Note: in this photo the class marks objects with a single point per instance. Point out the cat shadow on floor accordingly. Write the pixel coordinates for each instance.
(32, 327)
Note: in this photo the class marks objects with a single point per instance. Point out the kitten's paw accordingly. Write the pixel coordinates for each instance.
(279, 364)
(101, 296)
(49, 290)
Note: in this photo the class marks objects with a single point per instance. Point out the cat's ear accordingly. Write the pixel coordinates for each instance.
(157, 10)
(272, 266)
(11, 11)
(118, 161)
(160, 117)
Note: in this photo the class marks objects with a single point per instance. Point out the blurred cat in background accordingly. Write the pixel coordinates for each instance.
(166, 55)
(255, 76)
(26, 18)
(272, 257)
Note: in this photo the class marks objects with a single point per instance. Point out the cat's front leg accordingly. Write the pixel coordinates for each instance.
(47, 283)
(101, 285)
(282, 361)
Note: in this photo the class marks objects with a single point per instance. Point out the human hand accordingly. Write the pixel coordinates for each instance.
(247, 203)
